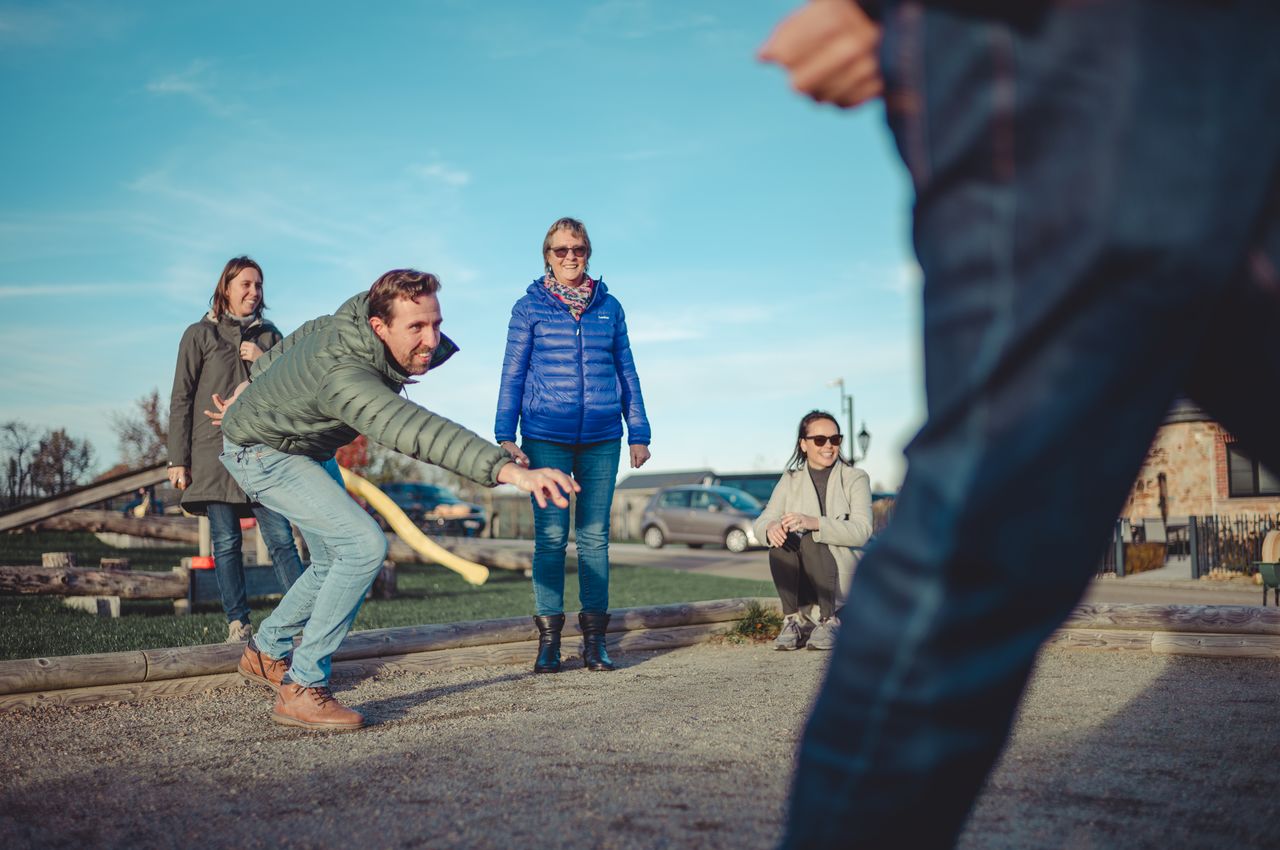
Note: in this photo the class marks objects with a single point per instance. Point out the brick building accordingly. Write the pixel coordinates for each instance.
(1196, 468)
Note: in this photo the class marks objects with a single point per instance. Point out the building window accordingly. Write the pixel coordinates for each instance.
(1247, 477)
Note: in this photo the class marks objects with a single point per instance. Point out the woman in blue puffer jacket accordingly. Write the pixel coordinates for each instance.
(569, 380)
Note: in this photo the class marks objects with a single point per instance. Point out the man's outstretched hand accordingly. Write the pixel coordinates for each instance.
(542, 483)
(222, 404)
(831, 49)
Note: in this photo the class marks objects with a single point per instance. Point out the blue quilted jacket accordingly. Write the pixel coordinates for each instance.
(566, 381)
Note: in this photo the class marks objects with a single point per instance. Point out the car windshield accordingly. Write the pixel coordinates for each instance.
(740, 499)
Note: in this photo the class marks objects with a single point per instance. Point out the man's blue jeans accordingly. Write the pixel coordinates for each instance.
(595, 467)
(1098, 223)
(228, 559)
(347, 550)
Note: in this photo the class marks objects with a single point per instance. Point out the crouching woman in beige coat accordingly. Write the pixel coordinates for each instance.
(816, 522)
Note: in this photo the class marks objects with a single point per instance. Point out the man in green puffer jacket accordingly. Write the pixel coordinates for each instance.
(334, 378)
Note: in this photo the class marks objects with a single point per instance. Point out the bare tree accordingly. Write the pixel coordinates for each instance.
(60, 462)
(18, 442)
(143, 431)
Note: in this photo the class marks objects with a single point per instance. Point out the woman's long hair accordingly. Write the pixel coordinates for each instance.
(797, 457)
(219, 302)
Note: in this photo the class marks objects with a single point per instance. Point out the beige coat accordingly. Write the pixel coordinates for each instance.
(844, 528)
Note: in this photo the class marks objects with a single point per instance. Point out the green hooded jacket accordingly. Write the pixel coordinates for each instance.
(332, 380)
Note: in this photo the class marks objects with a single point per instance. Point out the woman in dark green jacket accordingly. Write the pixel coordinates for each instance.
(213, 357)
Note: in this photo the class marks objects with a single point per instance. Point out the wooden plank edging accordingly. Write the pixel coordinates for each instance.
(522, 652)
(1191, 619)
(150, 665)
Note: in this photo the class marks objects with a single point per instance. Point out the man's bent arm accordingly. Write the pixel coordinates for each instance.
(359, 399)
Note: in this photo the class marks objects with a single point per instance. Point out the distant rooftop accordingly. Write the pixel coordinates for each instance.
(653, 480)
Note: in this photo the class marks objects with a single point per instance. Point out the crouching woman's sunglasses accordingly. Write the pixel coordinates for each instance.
(820, 440)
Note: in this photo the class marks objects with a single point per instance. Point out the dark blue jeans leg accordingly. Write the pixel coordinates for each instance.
(595, 468)
(228, 560)
(550, 530)
(1081, 236)
(277, 534)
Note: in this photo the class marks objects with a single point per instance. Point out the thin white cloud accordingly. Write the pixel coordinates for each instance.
(645, 327)
(196, 83)
(267, 213)
(60, 23)
(72, 290)
(637, 19)
(440, 172)
(657, 332)
(687, 149)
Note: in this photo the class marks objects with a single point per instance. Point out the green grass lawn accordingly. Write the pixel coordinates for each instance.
(39, 626)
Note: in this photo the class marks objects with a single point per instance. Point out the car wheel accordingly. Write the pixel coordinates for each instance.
(735, 540)
(653, 537)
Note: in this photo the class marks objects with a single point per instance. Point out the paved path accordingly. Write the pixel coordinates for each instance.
(754, 564)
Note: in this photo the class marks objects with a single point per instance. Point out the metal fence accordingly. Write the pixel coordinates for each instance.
(1230, 543)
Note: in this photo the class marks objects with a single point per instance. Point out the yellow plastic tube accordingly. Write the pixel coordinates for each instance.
(408, 532)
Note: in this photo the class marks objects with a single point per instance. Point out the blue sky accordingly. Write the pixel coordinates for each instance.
(759, 244)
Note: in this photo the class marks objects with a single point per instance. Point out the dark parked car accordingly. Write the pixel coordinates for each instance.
(698, 515)
(434, 509)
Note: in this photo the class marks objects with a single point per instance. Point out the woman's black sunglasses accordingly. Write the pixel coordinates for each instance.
(820, 440)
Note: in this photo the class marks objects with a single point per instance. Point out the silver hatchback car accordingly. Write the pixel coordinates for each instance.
(698, 515)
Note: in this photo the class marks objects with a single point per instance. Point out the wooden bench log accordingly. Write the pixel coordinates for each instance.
(177, 529)
(69, 671)
(1193, 619)
(416, 662)
(185, 530)
(73, 581)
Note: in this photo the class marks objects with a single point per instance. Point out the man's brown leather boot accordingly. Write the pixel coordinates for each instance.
(262, 669)
(313, 708)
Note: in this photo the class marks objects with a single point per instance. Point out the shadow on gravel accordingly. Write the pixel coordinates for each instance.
(1181, 753)
(393, 708)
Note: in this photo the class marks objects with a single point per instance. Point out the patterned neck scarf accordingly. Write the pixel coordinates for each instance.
(575, 298)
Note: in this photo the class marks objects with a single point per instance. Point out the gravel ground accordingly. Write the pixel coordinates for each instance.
(689, 748)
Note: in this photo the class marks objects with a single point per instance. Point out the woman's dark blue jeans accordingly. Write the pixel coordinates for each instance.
(228, 561)
(1098, 222)
(595, 467)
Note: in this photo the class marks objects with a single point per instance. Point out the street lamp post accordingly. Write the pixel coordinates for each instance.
(863, 436)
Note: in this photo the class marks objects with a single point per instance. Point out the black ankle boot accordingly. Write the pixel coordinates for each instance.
(548, 643)
(594, 654)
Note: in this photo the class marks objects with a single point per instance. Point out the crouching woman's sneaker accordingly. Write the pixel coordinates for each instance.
(795, 632)
(824, 636)
(313, 708)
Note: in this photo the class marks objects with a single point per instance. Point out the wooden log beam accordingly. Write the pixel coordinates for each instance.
(72, 581)
(185, 530)
(522, 652)
(1193, 619)
(178, 529)
(81, 497)
(43, 674)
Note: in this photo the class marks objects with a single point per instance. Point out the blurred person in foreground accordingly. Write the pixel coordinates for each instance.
(1096, 198)
(334, 378)
(569, 381)
(214, 356)
(816, 522)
